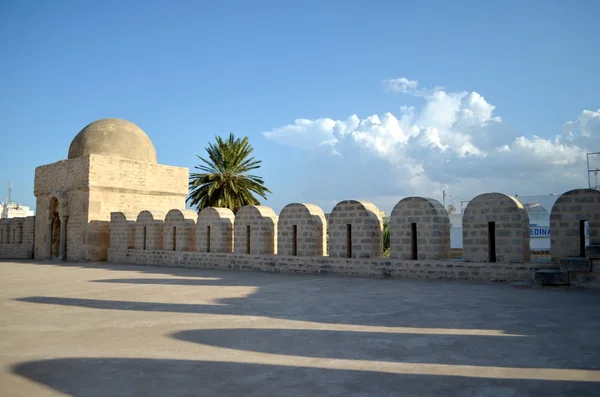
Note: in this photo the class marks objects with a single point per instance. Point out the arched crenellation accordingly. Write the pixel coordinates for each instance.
(4, 231)
(574, 214)
(214, 230)
(149, 230)
(419, 229)
(495, 229)
(15, 230)
(355, 230)
(179, 233)
(255, 230)
(122, 230)
(301, 230)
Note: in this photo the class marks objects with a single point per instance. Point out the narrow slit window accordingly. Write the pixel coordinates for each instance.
(414, 254)
(295, 240)
(349, 240)
(145, 235)
(248, 239)
(174, 238)
(492, 241)
(207, 238)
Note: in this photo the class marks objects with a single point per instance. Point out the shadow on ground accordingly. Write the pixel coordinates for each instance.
(494, 351)
(91, 377)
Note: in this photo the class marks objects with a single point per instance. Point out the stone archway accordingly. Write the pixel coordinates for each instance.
(55, 237)
(53, 241)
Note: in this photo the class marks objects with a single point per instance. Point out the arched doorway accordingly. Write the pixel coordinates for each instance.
(55, 239)
(54, 232)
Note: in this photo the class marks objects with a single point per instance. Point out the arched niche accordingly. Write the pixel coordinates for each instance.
(255, 230)
(214, 230)
(179, 232)
(355, 230)
(419, 229)
(301, 230)
(149, 230)
(122, 230)
(495, 229)
(574, 214)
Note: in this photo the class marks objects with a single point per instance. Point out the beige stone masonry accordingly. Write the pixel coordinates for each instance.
(122, 230)
(511, 223)
(17, 237)
(149, 230)
(568, 212)
(4, 231)
(429, 219)
(301, 230)
(179, 232)
(214, 230)
(362, 224)
(261, 222)
(364, 267)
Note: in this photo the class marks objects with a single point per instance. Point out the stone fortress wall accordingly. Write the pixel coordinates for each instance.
(495, 234)
(111, 200)
(17, 237)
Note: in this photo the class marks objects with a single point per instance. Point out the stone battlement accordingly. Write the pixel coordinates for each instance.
(495, 238)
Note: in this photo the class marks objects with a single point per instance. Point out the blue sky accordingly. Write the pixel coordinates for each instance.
(479, 96)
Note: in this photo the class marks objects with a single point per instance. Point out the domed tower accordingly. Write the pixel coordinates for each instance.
(111, 166)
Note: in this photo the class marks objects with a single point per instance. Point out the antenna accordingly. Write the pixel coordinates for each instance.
(593, 169)
(9, 192)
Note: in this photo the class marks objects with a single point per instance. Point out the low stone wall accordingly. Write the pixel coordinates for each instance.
(586, 279)
(364, 267)
(16, 251)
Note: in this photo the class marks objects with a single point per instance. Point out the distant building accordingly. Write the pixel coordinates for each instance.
(14, 210)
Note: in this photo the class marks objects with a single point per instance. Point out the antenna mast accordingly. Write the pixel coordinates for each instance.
(9, 192)
(593, 169)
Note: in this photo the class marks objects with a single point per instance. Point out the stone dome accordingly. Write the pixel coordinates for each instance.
(113, 138)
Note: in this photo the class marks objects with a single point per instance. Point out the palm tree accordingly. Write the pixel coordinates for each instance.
(224, 180)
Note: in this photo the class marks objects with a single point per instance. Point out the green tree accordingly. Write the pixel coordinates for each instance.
(386, 235)
(224, 180)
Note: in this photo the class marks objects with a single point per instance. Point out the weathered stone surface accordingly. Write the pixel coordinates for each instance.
(301, 230)
(261, 222)
(149, 228)
(16, 237)
(75, 197)
(113, 138)
(214, 230)
(567, 213)
(511, 228)
(592, 251)
(576, 264)
(179, 232)
(432, 225)
(355, 230)
(551, 277)
(363, 267)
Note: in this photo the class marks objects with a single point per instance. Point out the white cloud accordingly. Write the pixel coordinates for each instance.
(402, 85)
(453, 142)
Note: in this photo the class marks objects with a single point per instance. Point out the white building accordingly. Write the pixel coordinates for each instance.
(14, 210)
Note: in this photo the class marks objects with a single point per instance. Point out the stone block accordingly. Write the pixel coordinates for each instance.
(551, 277)
(576, 264)
(592, 252)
